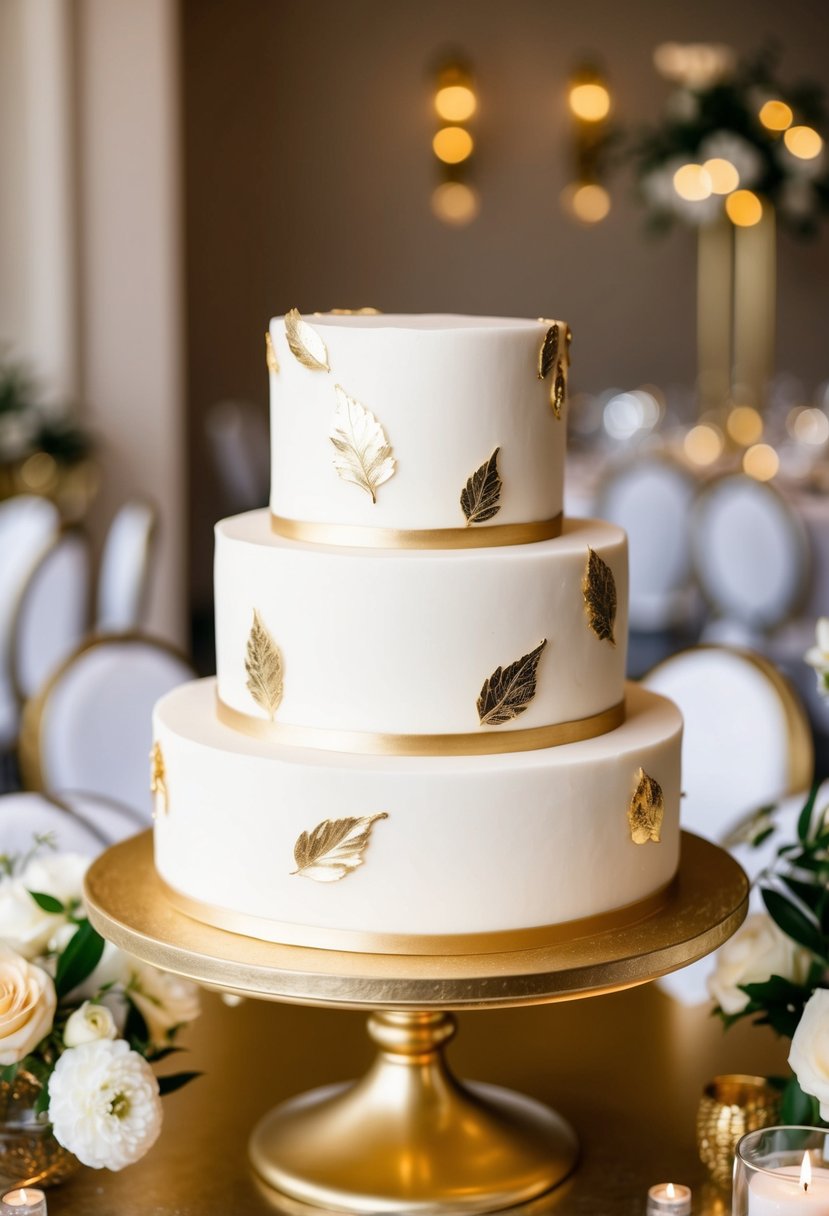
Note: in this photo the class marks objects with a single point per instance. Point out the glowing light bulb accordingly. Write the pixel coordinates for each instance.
(453, 145)
(724, 177)
(693, 183)
(744, 208)
(761, 462)
(455, 203)
(590, 102)
(803, 142)
(455, 102)
(776, 115)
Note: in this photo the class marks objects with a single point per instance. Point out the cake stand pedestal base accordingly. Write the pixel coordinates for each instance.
(409, 1137)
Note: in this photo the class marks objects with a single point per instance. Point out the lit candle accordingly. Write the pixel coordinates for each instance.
(669, 1199)
(25, 1201)
(790, 1191)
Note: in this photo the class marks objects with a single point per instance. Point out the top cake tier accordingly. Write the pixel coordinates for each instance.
(417, 431)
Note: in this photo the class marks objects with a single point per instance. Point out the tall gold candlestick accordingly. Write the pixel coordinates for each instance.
(755, 273)
(715, 289)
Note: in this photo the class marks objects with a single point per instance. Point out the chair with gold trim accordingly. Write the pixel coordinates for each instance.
(126, 568)
(26, 816)
(746, 744)
(88, 732)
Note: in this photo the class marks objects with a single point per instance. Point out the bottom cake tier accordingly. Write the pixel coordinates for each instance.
(444, 854)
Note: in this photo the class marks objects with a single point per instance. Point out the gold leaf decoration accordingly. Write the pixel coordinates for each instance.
(599, 590)
(509, 690)
(158, 780)
(364, 457)
(481, 496)
(263, 663)
(548, 354)
(334, 848)
(355, 312)
(646, 810)
(305, 343)
(558, 390)
(271, 361)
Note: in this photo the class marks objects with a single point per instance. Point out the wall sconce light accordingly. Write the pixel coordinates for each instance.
(589, 101)
(454, 200)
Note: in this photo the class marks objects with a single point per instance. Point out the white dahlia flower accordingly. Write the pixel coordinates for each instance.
(104, 1104)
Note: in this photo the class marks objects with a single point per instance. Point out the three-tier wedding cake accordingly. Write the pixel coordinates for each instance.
(419, 738)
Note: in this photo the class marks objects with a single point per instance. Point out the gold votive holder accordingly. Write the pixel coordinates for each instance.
(732, 1105)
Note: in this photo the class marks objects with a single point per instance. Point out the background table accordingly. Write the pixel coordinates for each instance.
(626, 1069)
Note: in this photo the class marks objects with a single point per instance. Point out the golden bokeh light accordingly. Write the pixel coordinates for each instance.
(453, 145)
(724, 177)
(590, 102)
(589, 202)
(455, 102)
(455, 203)
(803, 142)
(744, 208)
(692, 183)
(703, 444)
(809, 426)
(761, 462)
(776, 115)
(744, 424)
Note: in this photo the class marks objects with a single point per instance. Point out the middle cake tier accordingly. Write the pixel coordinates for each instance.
(410, 651)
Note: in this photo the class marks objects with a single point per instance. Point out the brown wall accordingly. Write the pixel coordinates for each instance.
(308, 174)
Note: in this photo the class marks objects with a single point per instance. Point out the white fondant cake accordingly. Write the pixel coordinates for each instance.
(419, 738)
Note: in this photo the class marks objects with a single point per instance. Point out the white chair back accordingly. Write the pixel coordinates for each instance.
(124, 574)
(28, 525)
(53, 615)
(26, 815)
(751, 552)
(650, 497)
(90, 729)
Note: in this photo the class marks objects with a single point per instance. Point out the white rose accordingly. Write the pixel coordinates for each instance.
(104, 1104)
(809, 1053)
(88, 1024)
(24, 926)
(756, 952)
(165, 1001)
(58, 874)
(27, 1006)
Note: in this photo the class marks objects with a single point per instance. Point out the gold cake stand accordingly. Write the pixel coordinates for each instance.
(409, 1137)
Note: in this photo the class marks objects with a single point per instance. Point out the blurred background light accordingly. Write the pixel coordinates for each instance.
(703, 444)
(724, 176)
(589, 203)
(803, 142)
(590, 101)
(744, 425)
(744, 208)
(761, 462)
(453, 145)
(776, 115)
(455, 102)
(693, 183)
(455, 203)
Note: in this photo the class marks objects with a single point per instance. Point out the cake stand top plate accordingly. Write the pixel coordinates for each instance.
(704, 906)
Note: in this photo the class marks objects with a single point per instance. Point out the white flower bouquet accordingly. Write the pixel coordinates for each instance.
(818, 656)
(776, 967)
(82, 1020)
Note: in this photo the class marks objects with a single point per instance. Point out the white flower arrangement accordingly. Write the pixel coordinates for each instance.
(818, 656)
(81, 1019)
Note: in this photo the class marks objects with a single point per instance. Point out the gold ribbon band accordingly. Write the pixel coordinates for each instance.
(366, 743)
(355, 941)
(416, 538)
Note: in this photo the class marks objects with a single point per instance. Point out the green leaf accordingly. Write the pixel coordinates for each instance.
(135, 1030)
(797, 1108)
(79, 959)
(42, 1101)
(804, 821)
(47, 902)
(8, 1072)
(776, 1002)
(762, 837)
(163, 1052)
(169, 1084)
(809, 893)
(794, 923)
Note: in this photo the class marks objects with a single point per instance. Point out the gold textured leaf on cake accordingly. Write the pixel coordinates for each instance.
(364, 457)
(305, 343)
(548, 354)
(158, 781)
(558, 389)
(355, 312)
(263, 664)
(481, 496)
(334, 848)
(509, 690)
(568, 342)
(646, 810)
(271, 361)
(599, 590)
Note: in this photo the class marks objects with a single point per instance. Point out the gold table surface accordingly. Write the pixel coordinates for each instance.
(626, 1069)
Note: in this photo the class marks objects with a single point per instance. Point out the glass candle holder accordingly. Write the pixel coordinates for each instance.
(782, 1171)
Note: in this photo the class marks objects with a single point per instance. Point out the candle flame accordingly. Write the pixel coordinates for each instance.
(670, 1193)
(806, 1172)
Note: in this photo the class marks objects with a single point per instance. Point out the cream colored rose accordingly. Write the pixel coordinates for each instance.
(756, 952)
(88, 1024)
(165, 1001)
(809, 1053)
(27, 1006)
